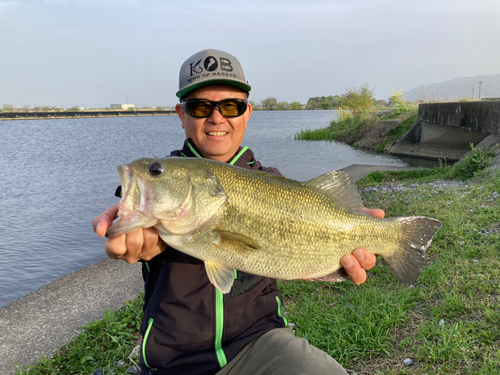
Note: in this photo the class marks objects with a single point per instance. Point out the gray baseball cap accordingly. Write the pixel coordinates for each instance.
(211, 67)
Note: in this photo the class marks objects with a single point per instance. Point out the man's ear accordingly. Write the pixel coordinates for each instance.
(248, 113)
(181, 113)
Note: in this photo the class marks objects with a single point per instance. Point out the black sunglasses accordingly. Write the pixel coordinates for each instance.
(202, 108)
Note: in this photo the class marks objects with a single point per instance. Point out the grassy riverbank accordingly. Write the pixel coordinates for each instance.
(350, 129)
(448, 324)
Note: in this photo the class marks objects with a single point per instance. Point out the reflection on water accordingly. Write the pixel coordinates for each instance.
(57, 175)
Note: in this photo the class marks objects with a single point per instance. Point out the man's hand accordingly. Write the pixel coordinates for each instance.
(360, 260)
(142, 244)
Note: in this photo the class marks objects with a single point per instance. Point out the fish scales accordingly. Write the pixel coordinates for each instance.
(233, 218)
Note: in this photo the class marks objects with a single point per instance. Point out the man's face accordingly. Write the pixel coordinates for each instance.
(217, 137)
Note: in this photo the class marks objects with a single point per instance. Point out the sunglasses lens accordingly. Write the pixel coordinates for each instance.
(201, 108)
(232, 108)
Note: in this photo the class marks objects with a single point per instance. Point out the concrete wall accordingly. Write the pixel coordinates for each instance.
(477, 116)
(442, 134)
(446, 130)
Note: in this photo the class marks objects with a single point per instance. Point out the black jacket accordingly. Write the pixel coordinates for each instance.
(190, 327)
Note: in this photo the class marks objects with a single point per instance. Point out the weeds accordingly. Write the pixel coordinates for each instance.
(343, 129)
(476, 160)
(469, 166)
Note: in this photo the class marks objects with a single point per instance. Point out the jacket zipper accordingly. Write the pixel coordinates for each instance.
(279, 311)
(219, 327)
(150, 325)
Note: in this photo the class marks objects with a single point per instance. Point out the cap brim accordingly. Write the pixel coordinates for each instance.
(243, 86)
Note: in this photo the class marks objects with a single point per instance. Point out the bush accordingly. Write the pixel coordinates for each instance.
(397, 99)
(475, 161)
(358, 100)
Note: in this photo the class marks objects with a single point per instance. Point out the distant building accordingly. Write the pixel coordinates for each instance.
(122, 106)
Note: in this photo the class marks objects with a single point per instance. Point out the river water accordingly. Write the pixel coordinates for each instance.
(57, 175)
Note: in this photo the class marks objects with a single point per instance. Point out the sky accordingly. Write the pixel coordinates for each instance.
(93, 53)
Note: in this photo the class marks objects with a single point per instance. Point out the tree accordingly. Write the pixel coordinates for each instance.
(359, 99)
(311, 103)
(283, 105)
(269, 104)
(425, 95)
(255, 106)
(295, 106)
(8, 108)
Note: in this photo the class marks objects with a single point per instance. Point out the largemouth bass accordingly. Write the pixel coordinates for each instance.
(256, 222)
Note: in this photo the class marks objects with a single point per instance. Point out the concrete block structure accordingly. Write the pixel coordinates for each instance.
(446, 130)
(122, 106)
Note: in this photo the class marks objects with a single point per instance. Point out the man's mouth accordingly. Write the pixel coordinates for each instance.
(217, 133)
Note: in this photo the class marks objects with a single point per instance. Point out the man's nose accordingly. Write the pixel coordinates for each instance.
(216, 116)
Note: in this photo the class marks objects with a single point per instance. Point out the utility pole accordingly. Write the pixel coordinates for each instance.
(473, 92)
(480, 82)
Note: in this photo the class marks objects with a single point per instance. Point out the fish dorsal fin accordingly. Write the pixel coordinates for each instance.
(236, 241)
(339, 186)
(220, 275)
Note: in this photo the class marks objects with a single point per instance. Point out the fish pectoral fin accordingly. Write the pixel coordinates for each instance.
(220, 275)
(236, 241)
(337, 276)
(338, 186)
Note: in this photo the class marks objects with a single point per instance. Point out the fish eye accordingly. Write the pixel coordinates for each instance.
(155, 169)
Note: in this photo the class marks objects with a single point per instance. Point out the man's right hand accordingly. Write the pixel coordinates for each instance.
(142, 244)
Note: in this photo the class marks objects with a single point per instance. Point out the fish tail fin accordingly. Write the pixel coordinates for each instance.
(408, 260)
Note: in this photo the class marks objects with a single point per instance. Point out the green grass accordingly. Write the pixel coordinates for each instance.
(471, 164)
(344, 129)
(347, 129)
(373, 327)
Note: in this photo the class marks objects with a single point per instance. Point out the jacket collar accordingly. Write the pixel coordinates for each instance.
(244, 157)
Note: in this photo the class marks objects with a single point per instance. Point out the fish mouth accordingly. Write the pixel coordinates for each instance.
(131, 215)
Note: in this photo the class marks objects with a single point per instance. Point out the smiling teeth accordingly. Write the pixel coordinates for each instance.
(217, 133)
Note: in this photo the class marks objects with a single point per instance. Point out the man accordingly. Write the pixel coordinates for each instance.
(189, 327)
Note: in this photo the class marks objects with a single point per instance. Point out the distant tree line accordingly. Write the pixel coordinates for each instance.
(27, 108)
(361, 97)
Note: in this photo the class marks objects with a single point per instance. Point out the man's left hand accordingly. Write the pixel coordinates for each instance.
(360, 260)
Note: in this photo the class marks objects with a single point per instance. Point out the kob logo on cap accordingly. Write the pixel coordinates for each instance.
(210, 64)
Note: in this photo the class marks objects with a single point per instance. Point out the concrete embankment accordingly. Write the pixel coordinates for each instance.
(41, 322)
(446, 130)
(80, 114)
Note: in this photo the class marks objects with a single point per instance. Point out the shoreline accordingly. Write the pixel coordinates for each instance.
(79, 117)
(7, 116)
